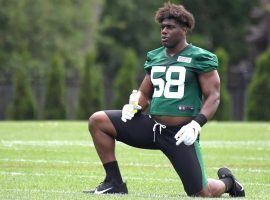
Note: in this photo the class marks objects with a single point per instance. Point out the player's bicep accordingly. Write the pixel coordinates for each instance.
(210, 83)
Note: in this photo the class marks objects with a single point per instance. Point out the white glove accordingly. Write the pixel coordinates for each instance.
(128, 111)
(188, 133)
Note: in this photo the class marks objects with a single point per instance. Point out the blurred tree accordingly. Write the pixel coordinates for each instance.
(126, 79)
(224, 110)
(221, 23)
(91, 96)
(44, 27)
(259, 33)
(259, 90)
(98, 88)
(123, 25)
(23, 105)
(55, 107)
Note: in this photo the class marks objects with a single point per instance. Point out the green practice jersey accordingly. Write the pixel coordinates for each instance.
(177, 90)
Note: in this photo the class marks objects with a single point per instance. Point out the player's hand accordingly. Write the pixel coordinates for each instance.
(128, 111)
(188, 133)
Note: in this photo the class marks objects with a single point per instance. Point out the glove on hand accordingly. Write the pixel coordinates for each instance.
(128, 111)
(188, 133)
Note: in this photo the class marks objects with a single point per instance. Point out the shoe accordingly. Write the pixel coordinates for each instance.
(109, 188)
(237, 189)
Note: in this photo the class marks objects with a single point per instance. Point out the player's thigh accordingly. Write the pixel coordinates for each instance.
(187, 161)
(137, 132)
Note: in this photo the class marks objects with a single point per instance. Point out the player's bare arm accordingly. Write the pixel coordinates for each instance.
(210, 85)
(146, 91)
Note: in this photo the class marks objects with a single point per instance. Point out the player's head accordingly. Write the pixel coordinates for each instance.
(176, 12)
(175, 22)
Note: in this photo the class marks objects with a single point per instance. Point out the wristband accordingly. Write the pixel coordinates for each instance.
(200, 119)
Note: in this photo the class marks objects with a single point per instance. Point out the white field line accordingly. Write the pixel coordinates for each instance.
(130, 164)
(258, 144)
(50, 143)
(140, 195)
(87, 176)
(147, 179)
(155, 155)
(127, 164)
(37, 190)
(56, 143)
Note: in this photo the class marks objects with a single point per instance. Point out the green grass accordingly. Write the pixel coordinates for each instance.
(57, 160)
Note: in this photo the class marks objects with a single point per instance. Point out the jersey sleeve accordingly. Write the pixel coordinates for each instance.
(147, 64)
(205, 62)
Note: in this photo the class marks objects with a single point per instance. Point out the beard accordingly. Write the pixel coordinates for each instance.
(170, 42)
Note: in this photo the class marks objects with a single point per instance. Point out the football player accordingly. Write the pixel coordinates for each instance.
(182, 88)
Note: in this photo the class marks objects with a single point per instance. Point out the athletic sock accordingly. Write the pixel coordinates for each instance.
(113, 172)
(228, 183)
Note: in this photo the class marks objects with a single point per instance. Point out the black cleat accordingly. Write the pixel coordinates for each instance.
(237, 189)
(109, 188)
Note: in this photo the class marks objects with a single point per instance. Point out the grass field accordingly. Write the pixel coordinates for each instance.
(57, 160)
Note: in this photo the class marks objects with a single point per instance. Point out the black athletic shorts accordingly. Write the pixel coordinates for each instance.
(143, 132)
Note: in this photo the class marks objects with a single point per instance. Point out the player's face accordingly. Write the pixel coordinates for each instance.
(172, 33)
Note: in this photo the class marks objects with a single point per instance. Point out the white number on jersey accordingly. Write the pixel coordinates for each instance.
(163, 87)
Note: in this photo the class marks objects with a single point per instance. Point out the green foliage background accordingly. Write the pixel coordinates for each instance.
(55, 105)
(221, 23)
(91, 96)
(126, 79)
(126, 24)
(43, 28)
(23, 105)
(259, 90)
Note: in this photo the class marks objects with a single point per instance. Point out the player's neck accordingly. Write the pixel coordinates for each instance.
(178, 48)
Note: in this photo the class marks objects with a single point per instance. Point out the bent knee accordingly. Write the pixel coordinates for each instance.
(203, 193)
(96, 119)
(213, 189)
(99, 122)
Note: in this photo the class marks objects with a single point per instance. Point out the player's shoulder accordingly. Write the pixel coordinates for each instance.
(202, 59)
(200, 54)
(156, 52)
(154, 57)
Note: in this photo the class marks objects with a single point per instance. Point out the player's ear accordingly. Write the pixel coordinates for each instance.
(185, 29)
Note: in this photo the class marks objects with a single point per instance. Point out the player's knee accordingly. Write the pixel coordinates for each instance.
(203, 193)
(212, 190)
(95, 120)
(206, 192)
